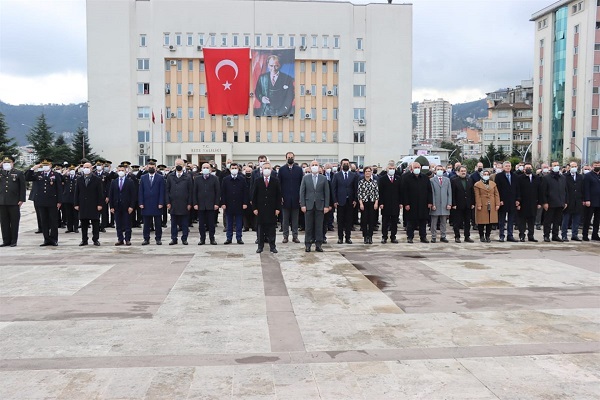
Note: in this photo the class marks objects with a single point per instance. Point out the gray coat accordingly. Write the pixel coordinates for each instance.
(314, 198)
(442, 195)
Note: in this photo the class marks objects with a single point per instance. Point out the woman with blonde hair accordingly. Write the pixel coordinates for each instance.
(487, 203)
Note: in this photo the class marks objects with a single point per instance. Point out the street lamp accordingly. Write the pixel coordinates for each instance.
(526, 151)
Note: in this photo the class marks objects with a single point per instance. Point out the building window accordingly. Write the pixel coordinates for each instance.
(168, 136)
(143, 136)
(541, 43)
(313, 137)
(202, 113)
(201, 66)
(190, 136)
(359, 113)
(594, 111)
(596, 68)
(595, 90)
(597, 46)
(541, 62)
(324, 68)
(247, 40)
(335, 67)
(143, 88)
(359, 137)
(280, 41)
(313, 113)
(223, 40)
(143, 112)
(201, 39)
(335, 137)
(246, 137)
(235, 137)
(314, 40)
(190, 39)
(489, 125)
(224, 137)
(257, 41)
(168, 113)
(269, 40)
(323, 137)
(143, 64)
(335, 90)
(336, 42)
(503, 125)
(280, 137)
(303, 41)
(179, 137)
(142, 40)
(179, 89)
(313, 90)
(212, 40)
(574, 71)
(292, 41)
(235, 40)
(291, 137)
(202, 136)
(179, 65)
(213, 137)
(302, 90)
(594, 133)
(503, 114)
(325, 42)
(190, 65)
(166, 39)
(302, 113)
(302, 66)
(302, 137)
(359, 67)
(359, 44)
(190, 113)
(202, 89)
(178, 39)
(359, 90)
(576, 29)
(179, 113)
(269, 137)
(313, 66)
(574, 113)
(577, 7)
(168, 65)
(324, 114)
(335, 114)
(257, 137)
(573, 134)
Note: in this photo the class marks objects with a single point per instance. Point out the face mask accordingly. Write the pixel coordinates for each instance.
(498, 170)
(345, 167)
(425, 168)
(520, 168)
(439, 172)
(151, 170)
(417, 171)
(45, 168)
(205, 171)
(234, 172)
(555, 168)
(328, 170)
(267, 172)
(121, 174)
(485, 177)
(528, 171)
(596, 169)
(99, 167)
(194, 169)
(574, 170)
(6, 166)
(213, 173)
(106, 169)
(545, 170)
(448, 170)
(248, 174)
(375, 171)
(179, 168)
(585, 171)
(391, 172)
(228, 165)
(314, 169)
(290, 161)
(334, 169)
(72, 173)
(86, 171)
(261, 163)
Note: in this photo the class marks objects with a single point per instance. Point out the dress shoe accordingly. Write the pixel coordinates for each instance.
(96, 243)
(488, 240)
(444, 240)
(172, 242)
(145, 243)
(295, 239)
(469, 240)
(522, 239)
(596, 238)
(576, 239)
(546, 239)
(366, 240)
(285, 240)
(501, 240)
(83, 243)
(184, 242)
(433, 240)
(119, 244)
(54, 244)
(319, 249)
(76, 231)
(511, 239)
(4, 244)
(330, 229)
(246, 229)
(44, 244)
(585, 239)
(384, 240)
(307, 249)
(240, 241)
(531, 239)
(556, 239)
(227, 241)
(324, 240)
(69, 231)
(259, 250)
(394, 240)
(102, 230)
(274, 250)
(158, 242)
(340, 241)
(457, 240)
(348, 241)
(13, 244)
(164, 225)
(424, 241)
(565, 239)
(201, 243)
(38, 231)
(409, 240)
(256, 241)
(213, 242)
(127, 243)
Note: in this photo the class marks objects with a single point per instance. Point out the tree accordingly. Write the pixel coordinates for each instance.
(41, 138)
(80, 147)
(8, 146)
(61, 151)
(501, 154)
(456, 151)
(489, 156)
(471, 164)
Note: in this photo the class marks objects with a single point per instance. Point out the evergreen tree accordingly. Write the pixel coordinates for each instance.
(8, 146)
(61, 151)
(80, 147)
(489, 156)
(502, 156)
(41, 138)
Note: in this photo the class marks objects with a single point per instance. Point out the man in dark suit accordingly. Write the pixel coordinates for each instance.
(314, 201)
(234, 200)
(344, 199)
(417, 198)
(390, 202)
(290, 177)
(274, 90)
(104, 177)
(572, 214)
(179, 201)
(266, 204)
(122, 198)
(463, 202)
(509, 192)
(591, 202)
(89, 201)
(48, 199)
(554, 200)
(529, 202)
(151, 198)
(12, 196)
(206, 197)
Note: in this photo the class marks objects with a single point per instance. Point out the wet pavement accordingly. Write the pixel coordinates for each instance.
(393, 321)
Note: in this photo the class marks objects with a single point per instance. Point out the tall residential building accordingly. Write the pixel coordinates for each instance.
(509, 121)
(434, 120)
(567, 78)
(146, 58)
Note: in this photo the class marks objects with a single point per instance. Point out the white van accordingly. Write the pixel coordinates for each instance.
(408, 159)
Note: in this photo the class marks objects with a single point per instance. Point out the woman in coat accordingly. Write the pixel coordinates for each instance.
(487, 203)
(368, 199)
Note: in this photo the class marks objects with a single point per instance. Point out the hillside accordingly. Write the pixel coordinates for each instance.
(63, 118)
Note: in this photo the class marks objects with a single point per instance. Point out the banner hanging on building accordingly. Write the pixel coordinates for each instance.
(227, 80)
(273, 82)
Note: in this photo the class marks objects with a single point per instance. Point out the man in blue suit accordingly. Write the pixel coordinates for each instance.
(151, 198)
(343, 191)
(290, 179)
(121, 198)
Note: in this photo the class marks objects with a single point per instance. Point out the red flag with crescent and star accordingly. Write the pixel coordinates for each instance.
(227, 80)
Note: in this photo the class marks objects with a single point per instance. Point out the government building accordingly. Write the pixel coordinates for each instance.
(352, 71)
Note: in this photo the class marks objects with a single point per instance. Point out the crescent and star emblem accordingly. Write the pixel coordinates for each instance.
(221, 64)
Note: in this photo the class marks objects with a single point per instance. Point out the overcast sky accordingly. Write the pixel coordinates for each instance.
(461, 48)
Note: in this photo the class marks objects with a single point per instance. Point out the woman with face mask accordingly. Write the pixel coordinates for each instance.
(368, 200)
(487, 204)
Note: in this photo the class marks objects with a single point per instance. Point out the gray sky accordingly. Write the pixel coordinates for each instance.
(461, 48)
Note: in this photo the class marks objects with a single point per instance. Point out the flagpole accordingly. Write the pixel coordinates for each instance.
(152, 135)
(162, 138)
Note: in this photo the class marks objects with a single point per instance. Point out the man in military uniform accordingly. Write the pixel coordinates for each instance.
(48, 199)
(104, 177)
(69, 213)
(12, 196)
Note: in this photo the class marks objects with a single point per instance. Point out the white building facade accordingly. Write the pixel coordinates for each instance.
(566, 81)
(434, 120)
(353, 73)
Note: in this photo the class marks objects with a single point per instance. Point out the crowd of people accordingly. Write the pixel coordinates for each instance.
(307, 197)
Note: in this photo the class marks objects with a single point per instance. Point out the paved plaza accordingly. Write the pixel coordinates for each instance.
(393, 321)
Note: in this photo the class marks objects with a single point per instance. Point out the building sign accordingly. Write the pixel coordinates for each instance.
(207, 149)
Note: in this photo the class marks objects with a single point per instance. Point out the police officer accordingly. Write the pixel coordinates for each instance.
(12, 196)
(48, 199)
(69, 213)
(105, 178)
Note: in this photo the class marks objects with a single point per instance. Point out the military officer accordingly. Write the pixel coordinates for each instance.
(104, 177)
(69, 213)
(48, 199)
(12, 196)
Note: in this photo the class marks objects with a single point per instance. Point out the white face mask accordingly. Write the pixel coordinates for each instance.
(328, 170)
(334, 169)
(205, 171)
(417, 171)
(498, 170)
(574, 170)
(485, 177)
(520, 168)
(6, 166)
(234, 172)
(545, 170)
(86, 171)
(439, 172)
(314, 169)
(425, 168)
(228, 165)
(99, 167)
(45, 168)
(267, 172)
(72, 173)
(585, 171)
(261, 163)
(121, 174)
(391, 172)
(555, 168)
(449, 169)
(213, 173)
(194, 169)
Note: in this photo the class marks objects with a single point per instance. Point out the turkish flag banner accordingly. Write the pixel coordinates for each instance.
(227, 80)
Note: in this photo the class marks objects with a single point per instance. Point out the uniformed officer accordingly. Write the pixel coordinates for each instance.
(69, 213)
(164, 171)
(104, 177)
(12, 196)
(48, 199)
(136, 216)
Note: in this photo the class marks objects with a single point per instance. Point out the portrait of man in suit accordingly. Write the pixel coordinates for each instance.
(274, 90)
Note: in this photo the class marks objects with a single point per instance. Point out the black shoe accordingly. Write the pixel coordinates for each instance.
(172, 242)
(145, 243)
(38, 231)
(164, 225)
(488, 240)
(54, 244)
(469, 240)
(68, 231)
(76, 231)
(158, 242)
(433, 240)
(596, 238)
(184, 242)
(384, 240)
(424, 241)
(348, 241)
(521, 239)
(556, 239)
(240, 241)
(340, 241)
(44, 244)
(274, 250)
(96, 243)
(565, 239)
(256, 241)
(444, 240)
(575, 239)
(227, 242)
(394, 240)
(319, 249)
(366, 240)
(4, 244)
(482, 239)
(201, 243)
(83, 243)
(307, 249)
(13, 244)
(213, 242)
(531, 239)
(501, 240)
(119, 243)
(259, 250)
(127, 243)
(511, 239)
(295, 239)
(102, 230)
(546, 239)
(585, 239)
(457, 240)
(409, 240)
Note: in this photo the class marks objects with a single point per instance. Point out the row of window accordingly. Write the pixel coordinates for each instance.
(144, 88)
(235, 40)
(203, 137)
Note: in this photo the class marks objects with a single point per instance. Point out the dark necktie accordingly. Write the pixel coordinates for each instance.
(151, 180)
(120, 183)
(266, 182)
(440, 181)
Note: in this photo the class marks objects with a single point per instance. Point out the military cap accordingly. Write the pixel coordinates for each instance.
(125, 163)
(107, 162)
(99, 162)
(152, 160)
(8, 159)
(46, 161)
(161, 166)
(72, 167)
(135, 167)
